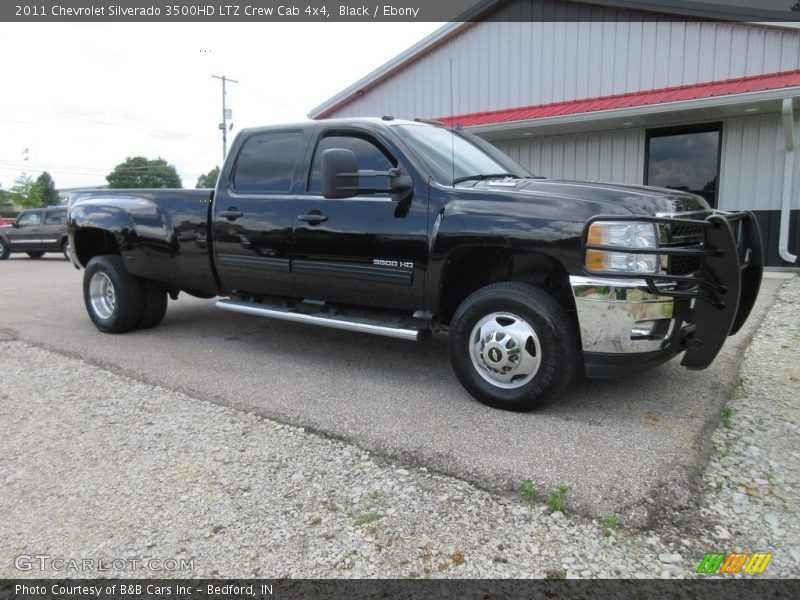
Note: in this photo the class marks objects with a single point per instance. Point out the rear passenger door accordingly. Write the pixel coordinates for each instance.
(253, 212)
(54, 228)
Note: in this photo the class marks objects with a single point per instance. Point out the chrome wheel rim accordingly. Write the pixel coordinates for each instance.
(102, 295)
(505, 350)
(2, 250)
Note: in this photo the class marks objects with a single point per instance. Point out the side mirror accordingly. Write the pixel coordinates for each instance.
(339, 173)
(340, 177)
(15, 224)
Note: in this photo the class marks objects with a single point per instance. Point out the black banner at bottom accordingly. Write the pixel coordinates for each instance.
(328, 589)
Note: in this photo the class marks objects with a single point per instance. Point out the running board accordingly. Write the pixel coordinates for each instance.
(362, 325)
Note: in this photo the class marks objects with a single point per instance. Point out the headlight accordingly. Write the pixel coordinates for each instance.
(622, 234)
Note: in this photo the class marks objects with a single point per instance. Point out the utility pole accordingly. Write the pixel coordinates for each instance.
(226, 113)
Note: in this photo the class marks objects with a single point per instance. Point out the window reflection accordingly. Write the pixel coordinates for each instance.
(685, 159)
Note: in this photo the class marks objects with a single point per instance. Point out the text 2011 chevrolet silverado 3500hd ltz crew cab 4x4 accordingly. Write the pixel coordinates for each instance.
(400, 228)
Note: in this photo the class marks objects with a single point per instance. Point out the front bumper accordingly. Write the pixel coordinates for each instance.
(630, 323)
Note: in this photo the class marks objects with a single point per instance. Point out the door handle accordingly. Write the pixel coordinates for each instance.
(231, 214)
(315, 218)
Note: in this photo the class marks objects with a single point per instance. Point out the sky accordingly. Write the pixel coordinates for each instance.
(80, 98)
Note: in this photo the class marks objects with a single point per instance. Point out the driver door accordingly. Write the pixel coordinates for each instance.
(26, 235)
(367, 250)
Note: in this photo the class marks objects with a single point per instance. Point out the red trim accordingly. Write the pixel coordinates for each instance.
(711, 89)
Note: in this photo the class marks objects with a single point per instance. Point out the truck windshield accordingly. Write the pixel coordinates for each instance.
(454, 156)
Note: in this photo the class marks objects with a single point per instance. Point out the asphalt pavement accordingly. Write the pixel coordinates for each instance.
(632, 447)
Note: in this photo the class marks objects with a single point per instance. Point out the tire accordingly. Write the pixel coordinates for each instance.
(5, 251)
(113, 297)
(513, 346)
(155, 305)
(65, 249)
(36, 254)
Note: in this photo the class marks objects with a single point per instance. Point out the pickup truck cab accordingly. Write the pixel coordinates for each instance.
(404, 228)
(35, 232)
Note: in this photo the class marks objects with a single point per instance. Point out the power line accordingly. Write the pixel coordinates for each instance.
(224, 125)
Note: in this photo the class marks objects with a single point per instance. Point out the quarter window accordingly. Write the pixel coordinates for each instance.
(369, 157)
(267, 161)
(685, 158)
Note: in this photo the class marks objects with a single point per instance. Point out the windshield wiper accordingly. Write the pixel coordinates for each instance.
(483, 176)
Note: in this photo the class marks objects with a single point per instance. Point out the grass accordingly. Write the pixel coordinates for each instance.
(365, 518)
(610, 523)
(737, 389)
(727, 417)
(726, 451)
(528, 491)
(558, 499)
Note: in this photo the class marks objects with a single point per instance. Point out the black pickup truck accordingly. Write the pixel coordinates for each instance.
(403, 228)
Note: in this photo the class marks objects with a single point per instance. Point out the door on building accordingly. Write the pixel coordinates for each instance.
(685, 158)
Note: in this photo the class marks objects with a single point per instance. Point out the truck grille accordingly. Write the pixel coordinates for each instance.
(684, 235)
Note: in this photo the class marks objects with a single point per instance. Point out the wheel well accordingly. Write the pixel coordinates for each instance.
(469, 270)
(91, 242)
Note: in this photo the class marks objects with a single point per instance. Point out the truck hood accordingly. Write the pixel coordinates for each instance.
(638, 200)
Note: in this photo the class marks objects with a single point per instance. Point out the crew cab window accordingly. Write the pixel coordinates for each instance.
(369, 157)
(52, 217)
(29, 219)
(266, 162)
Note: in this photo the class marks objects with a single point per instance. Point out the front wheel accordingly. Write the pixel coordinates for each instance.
(513, 346)
(113, 297)
(4, 250)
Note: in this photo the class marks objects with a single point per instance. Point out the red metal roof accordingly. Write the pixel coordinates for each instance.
(710, 89)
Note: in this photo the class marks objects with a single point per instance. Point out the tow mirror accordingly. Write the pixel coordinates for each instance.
(340, 177)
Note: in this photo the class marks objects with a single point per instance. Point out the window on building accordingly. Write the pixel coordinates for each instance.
(369, 157)
(685, 158)
(267, 162)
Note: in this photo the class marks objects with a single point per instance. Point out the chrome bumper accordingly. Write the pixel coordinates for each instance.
(621, 315)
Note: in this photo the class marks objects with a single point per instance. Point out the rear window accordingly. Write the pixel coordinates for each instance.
(266, 162)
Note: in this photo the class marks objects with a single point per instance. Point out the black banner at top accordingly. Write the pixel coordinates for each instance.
(277, 11)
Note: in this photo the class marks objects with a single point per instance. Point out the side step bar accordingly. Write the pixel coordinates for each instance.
(362, 325)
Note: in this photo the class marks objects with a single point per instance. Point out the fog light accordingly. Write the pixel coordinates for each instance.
(643, 330)
(651, 329)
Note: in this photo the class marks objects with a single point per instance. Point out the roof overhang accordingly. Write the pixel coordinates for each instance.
(708, 101)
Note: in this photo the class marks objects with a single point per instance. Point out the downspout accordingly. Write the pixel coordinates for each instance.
(787, 112)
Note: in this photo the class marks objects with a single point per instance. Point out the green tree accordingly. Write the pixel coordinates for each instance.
(796, 7)
(209, 180)
(140, 172)
(47, 189)
(26, 192)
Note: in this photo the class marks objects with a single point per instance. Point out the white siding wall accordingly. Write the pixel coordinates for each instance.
(752, 165)
(546, 51)
(609, 156)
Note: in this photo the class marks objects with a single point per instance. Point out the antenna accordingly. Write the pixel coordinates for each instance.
(452, 116)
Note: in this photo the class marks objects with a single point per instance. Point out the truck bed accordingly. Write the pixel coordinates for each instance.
(162, 234)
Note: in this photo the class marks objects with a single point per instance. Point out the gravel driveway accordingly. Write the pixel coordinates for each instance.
(98, 466)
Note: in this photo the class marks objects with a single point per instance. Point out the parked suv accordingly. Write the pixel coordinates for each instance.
(35, 232)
